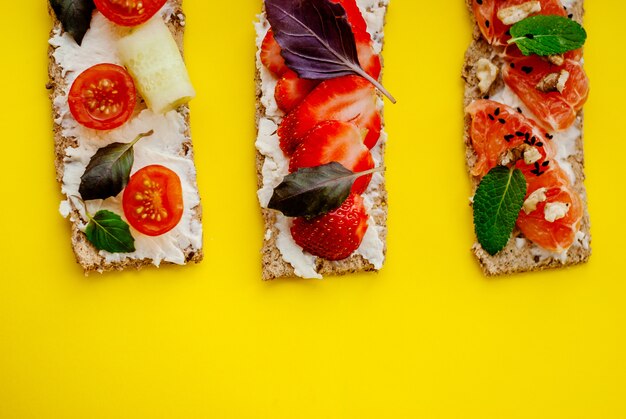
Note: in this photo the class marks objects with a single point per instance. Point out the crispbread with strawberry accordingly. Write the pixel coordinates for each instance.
(524, 92)
(123, 150)
(320, 142)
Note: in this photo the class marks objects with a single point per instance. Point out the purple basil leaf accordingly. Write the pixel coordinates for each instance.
(316, 39)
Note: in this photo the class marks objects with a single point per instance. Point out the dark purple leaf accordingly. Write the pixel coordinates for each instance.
(74, 15)
(316, 39)
(314, 191)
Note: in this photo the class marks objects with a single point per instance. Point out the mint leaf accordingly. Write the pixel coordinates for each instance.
(107, 231)
(316, 39)
(497, 203)
(314, 191)
(108, 170)
(74, 15)
(547, 35)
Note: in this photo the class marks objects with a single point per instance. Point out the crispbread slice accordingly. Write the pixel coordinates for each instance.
(86, 254)
(273, 264)
(514, 258)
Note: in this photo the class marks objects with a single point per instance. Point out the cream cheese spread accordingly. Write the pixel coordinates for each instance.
(164, 147)
(276, 165)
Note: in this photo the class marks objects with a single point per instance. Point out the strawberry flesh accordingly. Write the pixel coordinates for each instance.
(346, 99)
(334, 141)
(336, 235)
(292, 90)
(270, 55)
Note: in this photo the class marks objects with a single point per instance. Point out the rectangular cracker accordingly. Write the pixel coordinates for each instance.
(86, 254)
(273, 264)
(529, 257)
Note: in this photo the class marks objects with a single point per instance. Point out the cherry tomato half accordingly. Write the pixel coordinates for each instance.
(129, 12)
(153, 200)
(103, 97)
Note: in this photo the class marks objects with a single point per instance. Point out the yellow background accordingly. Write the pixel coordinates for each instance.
(428, 337)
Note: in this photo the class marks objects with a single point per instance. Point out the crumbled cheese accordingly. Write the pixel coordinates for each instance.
(534, 199)
(487, 73)
(512, 15)
(555, 211)
(531, 155)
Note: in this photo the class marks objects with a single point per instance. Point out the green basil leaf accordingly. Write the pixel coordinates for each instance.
(314, 191)
(497, 203)
(74, 15)
(547, 35)
(108, 170)
(107, 231)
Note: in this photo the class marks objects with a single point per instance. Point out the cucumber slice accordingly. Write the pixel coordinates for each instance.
(152, 57)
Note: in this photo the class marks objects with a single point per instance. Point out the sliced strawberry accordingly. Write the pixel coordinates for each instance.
(346, 99)
(336, 235)
(334, 141)
(354, 14)
(270, 55)
(291, 90)
(369, 60)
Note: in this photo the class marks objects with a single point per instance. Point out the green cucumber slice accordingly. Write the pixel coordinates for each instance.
(154, 61)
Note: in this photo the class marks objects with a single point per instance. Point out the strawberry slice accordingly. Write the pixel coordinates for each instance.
(336, 235)
(346, 99)
(270, 55)
(369, 60)
(291, 90)
(334, 141)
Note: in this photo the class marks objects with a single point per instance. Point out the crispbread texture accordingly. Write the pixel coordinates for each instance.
(273, 264)
(514, 259)
(86, 254)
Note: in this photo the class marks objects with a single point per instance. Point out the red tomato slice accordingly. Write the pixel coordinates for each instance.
(129, 12)
(103, 97)
(492, 28)
(491, 139)
(153, 200)
(555, 111)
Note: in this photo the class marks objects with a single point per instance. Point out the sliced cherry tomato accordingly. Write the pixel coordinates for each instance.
(129, 12)
(153, 200)
(103, 97)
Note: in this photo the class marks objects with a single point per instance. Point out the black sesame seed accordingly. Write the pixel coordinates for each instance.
(487, 23)
(497, 112)
(549, 136)
(533, 140)
(512, 65)
(527, 135)
(539, 144)
(502, 121)
(527, 69)
(570, 15)
(486, 97)
(546, 163)
(480, 2)
(509, 137)
(492, 117)
(519, 110)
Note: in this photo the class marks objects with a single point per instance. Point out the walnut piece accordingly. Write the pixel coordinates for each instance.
(553, 82)
(512, 15)
(486, 72)
(534, 199)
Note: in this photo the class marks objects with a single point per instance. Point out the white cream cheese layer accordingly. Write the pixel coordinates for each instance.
(276, 165)
(164, 147)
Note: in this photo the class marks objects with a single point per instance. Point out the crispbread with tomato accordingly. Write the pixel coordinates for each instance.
(320, 141)
(524, 93)
(124, 156)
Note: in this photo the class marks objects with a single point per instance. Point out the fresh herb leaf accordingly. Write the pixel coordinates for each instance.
(74, 15)
(314, 191)
(107, 231)
(498, 201)
(316, 39)
(108, 170)
(547, 35)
